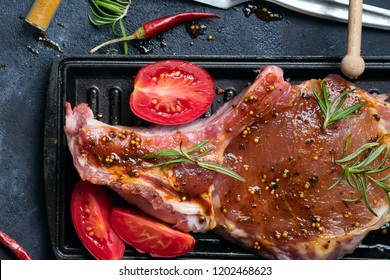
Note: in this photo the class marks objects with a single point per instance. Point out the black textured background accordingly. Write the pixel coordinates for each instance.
(24, 78)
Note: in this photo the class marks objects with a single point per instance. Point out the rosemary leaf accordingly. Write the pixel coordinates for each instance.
(333, 111)
(380, 183)
(98, 22)
(357, 168)
(189, 155)
(348, 112)
(99, 12)
(337, 182)
(167, 163)
(163, 153)
(348, 177)
(371, 157)
(220, 169)
(320, 102)
(122, 2)
(109, 7)
(203, 153)
(380, 167)
(197, 147)
(110, 12)
(364, 183)
(184, 153)
(358, 152)
(339, 101)
(114, 27)
(175, 153)
(114, 3)
(123, 32)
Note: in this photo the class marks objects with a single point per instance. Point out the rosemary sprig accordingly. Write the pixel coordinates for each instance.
(358, 172)
(189, 155)
(110, 12)
(334, 111)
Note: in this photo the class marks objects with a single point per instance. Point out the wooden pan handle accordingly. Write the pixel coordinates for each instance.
(353, 64)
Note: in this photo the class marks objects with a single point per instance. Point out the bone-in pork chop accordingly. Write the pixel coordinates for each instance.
(272, 135)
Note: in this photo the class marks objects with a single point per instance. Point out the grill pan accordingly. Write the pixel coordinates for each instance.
(106, 82)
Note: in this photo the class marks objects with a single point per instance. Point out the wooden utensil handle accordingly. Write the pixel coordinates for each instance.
(355, 27)
(353, 64)
(42, 12)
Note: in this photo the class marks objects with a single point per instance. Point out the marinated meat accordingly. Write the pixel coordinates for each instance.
(272, 134)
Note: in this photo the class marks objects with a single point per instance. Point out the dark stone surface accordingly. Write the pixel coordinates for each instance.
(24, 78)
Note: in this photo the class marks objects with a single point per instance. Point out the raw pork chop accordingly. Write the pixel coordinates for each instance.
(272, 135)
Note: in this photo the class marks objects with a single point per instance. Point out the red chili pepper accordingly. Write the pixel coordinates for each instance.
(19, 252)
(157, 26)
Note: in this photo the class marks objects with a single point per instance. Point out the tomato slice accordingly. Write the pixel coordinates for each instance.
(148, 235)
(91, 207)
(171, 92)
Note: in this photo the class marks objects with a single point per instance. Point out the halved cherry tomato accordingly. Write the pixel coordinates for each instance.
(91, 208)
(148, 235)
(171, 92)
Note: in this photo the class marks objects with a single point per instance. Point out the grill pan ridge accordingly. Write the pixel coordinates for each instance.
(105, 83)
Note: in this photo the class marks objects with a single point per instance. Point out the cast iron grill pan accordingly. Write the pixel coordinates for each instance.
(105, 83)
